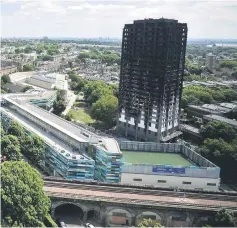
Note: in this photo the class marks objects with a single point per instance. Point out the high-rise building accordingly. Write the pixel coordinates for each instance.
(210, 61)
(152, 67)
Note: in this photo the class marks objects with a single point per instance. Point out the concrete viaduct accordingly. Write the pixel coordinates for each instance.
(111, 206)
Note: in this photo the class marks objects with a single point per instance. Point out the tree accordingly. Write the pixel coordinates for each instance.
(2, 132)
(5, 79)
(190, 57)
(46, 58)
(229, 64)
(28, 67)
(149, 223)
(215, 130)
(223, 218)
(18, 51)
(58, 107)
(10, 148)
(27, 87)
(105, 110)
(16, 129)
(67, 117)
(34, 149)
(28, 49)
(223, 154)
(23, 201)
(73, 76)
(94, 90)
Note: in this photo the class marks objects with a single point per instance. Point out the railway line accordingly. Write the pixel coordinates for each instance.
(131, 190)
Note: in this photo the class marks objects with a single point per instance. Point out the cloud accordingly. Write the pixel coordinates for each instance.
(81, 18)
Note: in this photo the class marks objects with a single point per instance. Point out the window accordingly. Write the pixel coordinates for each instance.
(161, 181)
(211, 184)
(150, 124)
(186, 182)
(137, 179)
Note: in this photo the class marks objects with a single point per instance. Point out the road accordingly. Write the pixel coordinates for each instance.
(71, 220)
(72, 98)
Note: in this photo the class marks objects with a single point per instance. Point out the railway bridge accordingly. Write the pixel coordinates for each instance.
(117, 205)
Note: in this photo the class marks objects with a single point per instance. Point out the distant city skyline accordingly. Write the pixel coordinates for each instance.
(96, 18)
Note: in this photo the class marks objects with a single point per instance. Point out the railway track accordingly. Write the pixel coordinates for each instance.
(143, 202)
(127, 190)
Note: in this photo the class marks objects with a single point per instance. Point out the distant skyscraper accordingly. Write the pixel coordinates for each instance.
(210, 61)
(152, 67)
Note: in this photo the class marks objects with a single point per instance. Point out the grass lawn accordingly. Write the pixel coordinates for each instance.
(81, 115)
(154, 158)
(80, 104)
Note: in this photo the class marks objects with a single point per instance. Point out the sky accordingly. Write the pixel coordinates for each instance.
(97, 18)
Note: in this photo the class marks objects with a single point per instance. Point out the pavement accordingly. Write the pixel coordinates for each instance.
(72, 98)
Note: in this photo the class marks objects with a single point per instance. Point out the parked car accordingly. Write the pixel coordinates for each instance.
(60, 223)
(88, 225)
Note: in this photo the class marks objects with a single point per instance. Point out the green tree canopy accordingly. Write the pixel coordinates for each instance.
(5, 79)
(224, 218)
(105, 110)
(16, 129)
(18, 50)
(223, 154)
(10, 147)
(229, 64)
(148, 223)
(2, 132)
(23, 201)
(94, 90)
(58, 107)
(215, 130)
(27, 87)
(28, 67)
(46, 58)
(34, 149)
(199, 95)
(28, 49)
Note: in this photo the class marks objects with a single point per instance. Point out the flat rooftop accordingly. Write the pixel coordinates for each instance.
(54, 142)
(155, 158)
(221, 119)
(19, 76)
(78, 133)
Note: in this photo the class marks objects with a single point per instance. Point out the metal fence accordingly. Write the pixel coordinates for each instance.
(150, 146)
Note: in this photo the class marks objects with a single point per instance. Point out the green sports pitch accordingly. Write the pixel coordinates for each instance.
(155, 158)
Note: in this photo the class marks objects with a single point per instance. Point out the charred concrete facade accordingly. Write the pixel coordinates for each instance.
(152, 67)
